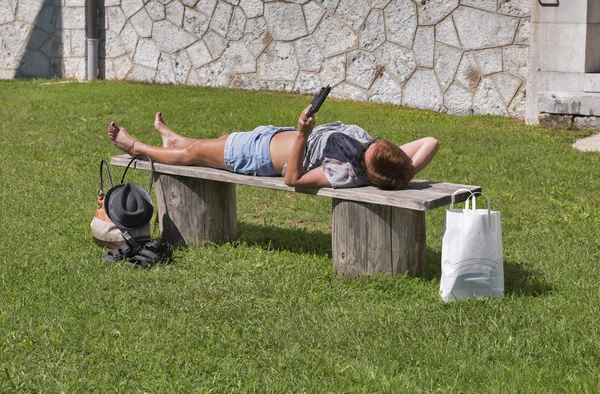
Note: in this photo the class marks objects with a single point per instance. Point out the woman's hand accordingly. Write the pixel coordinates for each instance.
(306, 124)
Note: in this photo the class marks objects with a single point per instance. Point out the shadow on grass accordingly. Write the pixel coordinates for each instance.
(518, 279)
(295, 240)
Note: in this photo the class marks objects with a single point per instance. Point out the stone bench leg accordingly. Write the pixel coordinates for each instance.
(193, 210)
(370, 238)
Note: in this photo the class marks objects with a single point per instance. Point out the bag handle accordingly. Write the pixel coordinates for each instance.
(460, 191)
(104, 164)
(473, 197)
(151, 169)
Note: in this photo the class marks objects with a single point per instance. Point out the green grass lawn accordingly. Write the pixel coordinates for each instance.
(266, 313)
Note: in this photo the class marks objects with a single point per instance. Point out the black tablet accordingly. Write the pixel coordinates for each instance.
(319, 99)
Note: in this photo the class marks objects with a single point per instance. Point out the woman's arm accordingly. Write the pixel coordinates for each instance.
(421, 151)
(294, 174)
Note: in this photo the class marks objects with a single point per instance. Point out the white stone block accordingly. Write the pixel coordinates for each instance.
(142, 23)
(507, 86)
(53, 47)
(423, 46)
(207, 7)
(215, 44)
(458, 100)
(199, 54)
(549, 81)
(592, 53)
(165, 73)
(73, 18)
(109, 70)
(329, 5)
(516, 60)
(401, 22)
(8, 60)
(307, 83)
(156, 10)
(385, 90)
(122, 66)
(432, 11)
(587, 123)
(112, 3)
(334, 70)
(313, 13)
(28, 10)
(278, 62)
(175, 11)
(515, 7)
(75, 68)
(252, 8)
(141, 74)
(214, 74)
(488, 5)
(7, 12)
(347, 91)
(7, 74)
(130, 7)
(381, 4)
(115, 19)
(480, 29)
(372, 34)
(78, 43)
(34, 65)
(37, 38)
(171, 38)
(129, 38)
(447, 60)
(398, 61)
(238, 59)
(487, 100)
(282, 86)
(422, 91)
(334, 37)
(523, 32)
(361, 68)
(182, 66)
(445, 32)
(518, 105)
(566, 54)
(74, 3)
(310, 57)
(15, 34)
(220, 19)
(237, 25)
(255, 36)
(353, 12)
(195, 22)
(146, 53)
(489, 60)
(245, 81)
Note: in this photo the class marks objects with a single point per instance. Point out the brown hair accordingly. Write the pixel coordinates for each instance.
(390, 167)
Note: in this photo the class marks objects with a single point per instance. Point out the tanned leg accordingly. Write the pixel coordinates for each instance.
(198, 152)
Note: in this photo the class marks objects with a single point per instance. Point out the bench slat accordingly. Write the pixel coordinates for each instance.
(421, 195)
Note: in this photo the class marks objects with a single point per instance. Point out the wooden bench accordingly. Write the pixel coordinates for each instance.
(373, 230)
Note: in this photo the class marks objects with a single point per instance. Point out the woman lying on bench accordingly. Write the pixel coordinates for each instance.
(331, 155)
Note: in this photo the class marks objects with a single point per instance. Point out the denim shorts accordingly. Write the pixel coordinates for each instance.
(249, 152)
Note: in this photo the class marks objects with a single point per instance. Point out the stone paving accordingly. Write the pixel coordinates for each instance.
(460, 57)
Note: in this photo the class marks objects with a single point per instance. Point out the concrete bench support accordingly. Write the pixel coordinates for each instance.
(192, 210)
(370, 238)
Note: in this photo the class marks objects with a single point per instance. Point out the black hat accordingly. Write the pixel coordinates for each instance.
(128, 206)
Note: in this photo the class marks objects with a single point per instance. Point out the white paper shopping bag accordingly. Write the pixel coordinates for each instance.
(472, 264)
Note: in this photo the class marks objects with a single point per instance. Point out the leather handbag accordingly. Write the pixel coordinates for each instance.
(104, 231)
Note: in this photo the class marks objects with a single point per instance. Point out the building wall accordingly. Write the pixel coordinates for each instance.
(456, 56)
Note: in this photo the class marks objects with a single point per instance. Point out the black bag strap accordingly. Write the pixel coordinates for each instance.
(151, 169)
(104, 165)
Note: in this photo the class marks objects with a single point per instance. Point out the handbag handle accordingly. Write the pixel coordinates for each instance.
(459, 191)
(104, 164)
(473, 197)
(151, 168)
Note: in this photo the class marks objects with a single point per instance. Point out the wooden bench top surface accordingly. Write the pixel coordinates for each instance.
(421, 195)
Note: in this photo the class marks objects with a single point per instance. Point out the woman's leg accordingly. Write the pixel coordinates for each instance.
(209, 152)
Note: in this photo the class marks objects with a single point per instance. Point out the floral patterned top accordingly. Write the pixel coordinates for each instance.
(336, 148)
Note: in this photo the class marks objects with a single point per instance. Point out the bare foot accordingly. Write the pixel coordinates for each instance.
(121, 138)
(168, 136)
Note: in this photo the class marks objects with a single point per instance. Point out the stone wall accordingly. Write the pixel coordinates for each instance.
(461, 57)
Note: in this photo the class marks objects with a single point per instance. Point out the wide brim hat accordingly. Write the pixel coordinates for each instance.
(128, 206)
